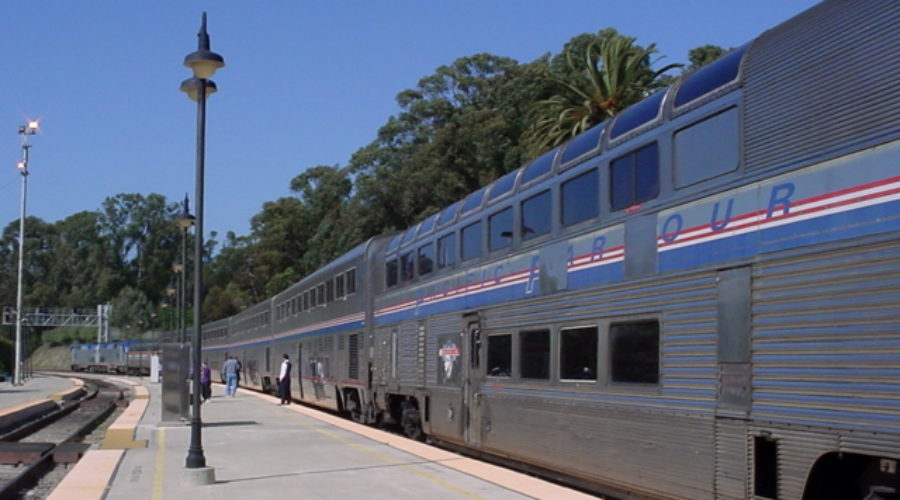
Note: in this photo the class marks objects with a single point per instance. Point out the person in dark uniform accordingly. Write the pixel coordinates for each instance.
(284, 381)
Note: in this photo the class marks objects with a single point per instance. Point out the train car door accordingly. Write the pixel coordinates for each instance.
(299, 369)
(473, 377)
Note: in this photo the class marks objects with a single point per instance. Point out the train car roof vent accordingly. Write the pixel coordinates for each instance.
(637, 115)
(539, 167)
(711, 77)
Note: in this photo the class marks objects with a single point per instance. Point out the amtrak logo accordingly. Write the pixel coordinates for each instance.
(448, 354)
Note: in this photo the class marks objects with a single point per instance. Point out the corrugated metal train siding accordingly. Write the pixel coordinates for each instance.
(830, 102)
(732, 459)
(832, 361)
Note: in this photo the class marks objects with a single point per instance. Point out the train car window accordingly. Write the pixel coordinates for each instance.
(446, 250)
(391, 270)
(351, 281)
(500, 229)
(426, 259)
(537, 215)
(329, 291)
(634, 177)
(710, 77)
(409, 235)
(634, 352)
(503, 185)
(637, 115)
(339, 286)
(306, 300)
(582, 144)
(395, 243)
(427, 225)
(449, 214)
(293, 307)
(473, 201)
(312, 298)
(320, 292)
(499, 356)
(534, 354)
(471, 241)
(707, 149)
(578, 353)
(581, 197)
(539, 167)
(407, 267)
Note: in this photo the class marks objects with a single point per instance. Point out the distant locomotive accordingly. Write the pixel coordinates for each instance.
(696, 299)
(126, 357)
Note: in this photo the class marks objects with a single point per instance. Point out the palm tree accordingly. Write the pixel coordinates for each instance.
(609, 75)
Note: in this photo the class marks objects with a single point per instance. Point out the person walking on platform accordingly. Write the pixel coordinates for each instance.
(230, 369)
(284, 381)
(205, 381)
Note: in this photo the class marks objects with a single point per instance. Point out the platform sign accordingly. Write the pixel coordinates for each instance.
(175, 383)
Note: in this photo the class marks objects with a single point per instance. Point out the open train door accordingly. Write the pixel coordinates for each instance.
(473, 378)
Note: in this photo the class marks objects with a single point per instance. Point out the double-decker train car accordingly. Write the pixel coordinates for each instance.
(696, 299)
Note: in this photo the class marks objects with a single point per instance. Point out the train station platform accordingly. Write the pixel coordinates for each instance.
(259, 449)
(34, 391)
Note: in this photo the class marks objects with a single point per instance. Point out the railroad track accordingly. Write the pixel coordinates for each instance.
(31, 450)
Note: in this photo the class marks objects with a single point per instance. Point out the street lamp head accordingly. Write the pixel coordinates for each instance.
(30, 128)
(184, 219)
(203, 62)
(191, 87)
(23, 167)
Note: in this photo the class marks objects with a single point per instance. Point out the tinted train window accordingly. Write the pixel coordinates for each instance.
(637, 115)
(306, 300)
(313, 298)
(446, 251)
(499, 357)
(407, 267)
(473, 201)
(583, 143)
(427, 225)
(580, 197)
(339, 286)
(409, 235)
(634, 352)
(329, 291)
(706, 149)
(500, 227)
(471, 241)
(710, 77)
(449, 214)
(634, 177)
(426, 259)
(391, 269)
(578, 353)
(534, 354)
(320, 293)
(503, 185)
(350, 280)
(539, 167)
(537, 215)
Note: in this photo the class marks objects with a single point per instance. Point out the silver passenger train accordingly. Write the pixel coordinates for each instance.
(697, 299)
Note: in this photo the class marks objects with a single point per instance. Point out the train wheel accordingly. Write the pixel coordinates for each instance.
(410, 421)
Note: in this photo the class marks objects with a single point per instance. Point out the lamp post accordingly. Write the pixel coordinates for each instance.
(184, 220)
(203, 63)
(26, 130)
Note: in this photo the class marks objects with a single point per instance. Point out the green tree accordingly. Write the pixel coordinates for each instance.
(598, 79)
(132, 312)
(703, 55)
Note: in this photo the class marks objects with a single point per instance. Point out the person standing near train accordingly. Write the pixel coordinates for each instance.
(284, 381)
(230, 369)
(205, 381)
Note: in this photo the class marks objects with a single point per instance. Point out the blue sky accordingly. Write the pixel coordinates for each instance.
(306, 83)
